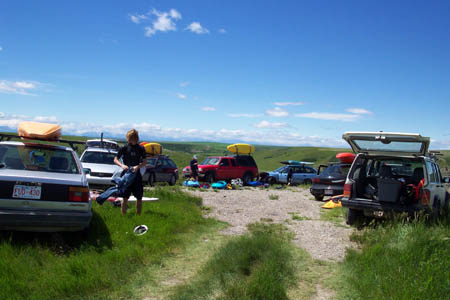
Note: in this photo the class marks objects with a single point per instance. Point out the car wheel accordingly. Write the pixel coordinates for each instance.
(272, 180)
(247, 178)
(318, 198)
(151, 179)
(353, 215)
(172, 180)
(209, 177)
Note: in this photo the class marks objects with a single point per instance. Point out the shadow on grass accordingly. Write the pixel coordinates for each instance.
(97, 236)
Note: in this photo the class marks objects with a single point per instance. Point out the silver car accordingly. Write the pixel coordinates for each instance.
(100, 165)
(42, 188)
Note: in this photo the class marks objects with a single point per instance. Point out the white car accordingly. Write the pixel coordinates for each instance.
(392, 172)
(98, 163)
(42, 188)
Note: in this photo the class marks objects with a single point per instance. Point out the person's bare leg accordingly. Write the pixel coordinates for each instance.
(124, 206)
(138, 206)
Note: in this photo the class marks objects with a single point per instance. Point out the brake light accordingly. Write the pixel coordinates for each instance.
(78, 194)
(425, 198)
(347, 190)
(316, 180)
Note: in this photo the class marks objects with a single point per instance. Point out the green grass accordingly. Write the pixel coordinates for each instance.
(274, 197)
(254, 266)
(71, 266)
(399, 260)
(336, 215)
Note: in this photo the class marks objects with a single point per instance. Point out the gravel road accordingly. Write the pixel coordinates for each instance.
(322, 239)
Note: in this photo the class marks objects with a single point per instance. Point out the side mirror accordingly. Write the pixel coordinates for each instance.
(222, 164)
(86, 171)
(446, 179)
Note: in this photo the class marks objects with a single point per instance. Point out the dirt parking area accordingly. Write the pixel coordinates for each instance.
(292, 206)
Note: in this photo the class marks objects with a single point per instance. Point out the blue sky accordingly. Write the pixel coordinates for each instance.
(264, 72)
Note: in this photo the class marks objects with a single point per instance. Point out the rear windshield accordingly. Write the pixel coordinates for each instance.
(391, 146)
(38, 158)
(94, 157)
(210, 161)
(151, 161)
(336, 170)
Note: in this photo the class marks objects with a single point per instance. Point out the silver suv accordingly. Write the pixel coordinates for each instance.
(392, 172)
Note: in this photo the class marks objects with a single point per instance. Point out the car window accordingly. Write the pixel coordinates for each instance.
(233, 163)
(38, 158)
(225, 162)
(95, 157)
(298, 170)
(431, 172)
(151, 162)
(280, 169)
(336, 170)
(310, 170)
(171, 163)
(437, 173)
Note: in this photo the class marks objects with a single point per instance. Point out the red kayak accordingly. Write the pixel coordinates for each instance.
(346, 157)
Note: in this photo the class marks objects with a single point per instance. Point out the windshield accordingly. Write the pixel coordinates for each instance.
(280, 169)
(93, 157)
(38, 158)
(334, 170)
(391, 146)
(151, 162)
(210, 161)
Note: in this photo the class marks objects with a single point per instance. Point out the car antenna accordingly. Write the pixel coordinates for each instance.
(101, 140)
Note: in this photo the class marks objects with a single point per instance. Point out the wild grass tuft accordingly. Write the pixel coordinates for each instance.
(70, 265)
(274, 197)
(399, 260)
(255, 266)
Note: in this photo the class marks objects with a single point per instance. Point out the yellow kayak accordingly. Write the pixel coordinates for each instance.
(241, 148)
(152, 148)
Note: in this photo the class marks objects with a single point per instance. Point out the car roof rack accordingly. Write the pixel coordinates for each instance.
(8, 137)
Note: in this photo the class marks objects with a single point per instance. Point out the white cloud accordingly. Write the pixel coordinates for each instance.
(184, 83)
(137, 18)
(359, 111)
(277, 112)
(208, 108)
(1, 48)
(49, 119)
(19, 87)
(181, 96)
(222, 31)
(245, 115)
(197, 28)
(267, 124)
(165, 21)
(330, 116)
(289, 103)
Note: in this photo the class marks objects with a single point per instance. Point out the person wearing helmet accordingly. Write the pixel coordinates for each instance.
(194, 167)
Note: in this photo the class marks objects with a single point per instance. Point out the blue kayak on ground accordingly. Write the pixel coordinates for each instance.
(219, 185)
(191, 183)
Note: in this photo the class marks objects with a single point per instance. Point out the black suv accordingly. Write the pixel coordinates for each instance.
(160, 169)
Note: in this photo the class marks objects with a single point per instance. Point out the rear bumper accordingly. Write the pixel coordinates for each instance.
(47, 221)
(370, 205)
(326, 190)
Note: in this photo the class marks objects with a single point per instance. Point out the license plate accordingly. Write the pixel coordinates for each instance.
(26, 192)
(328, 192)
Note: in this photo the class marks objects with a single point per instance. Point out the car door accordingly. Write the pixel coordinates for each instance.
(439, 191)
(159, 175)
(223, 171)
(282, 177)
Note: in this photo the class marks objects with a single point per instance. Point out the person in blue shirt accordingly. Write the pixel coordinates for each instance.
(133, 157)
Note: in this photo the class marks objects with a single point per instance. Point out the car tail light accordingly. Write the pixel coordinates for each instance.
(347, 190)
(425, 198)
(176, 171)
(78, 194)
(316, 180)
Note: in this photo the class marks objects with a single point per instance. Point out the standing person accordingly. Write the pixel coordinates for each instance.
(194, 167)
(133, 157)
(289, 178)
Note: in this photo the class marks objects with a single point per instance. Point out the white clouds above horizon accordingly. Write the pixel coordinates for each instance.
(289, 103)
(181, 96)
(277, 112)
(330, 116)
(208, 108)
(164, 22)
(197, 28)
(359, 111)
(271, 125)
(19, 87)
(222, 31)
(243, 115)
(137, 18)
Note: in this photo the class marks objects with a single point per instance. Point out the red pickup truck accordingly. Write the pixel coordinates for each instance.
(215, 168)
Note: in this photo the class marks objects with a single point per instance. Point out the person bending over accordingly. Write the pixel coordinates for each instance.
(133, 157)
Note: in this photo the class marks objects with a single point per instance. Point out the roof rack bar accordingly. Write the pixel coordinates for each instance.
(11, 136)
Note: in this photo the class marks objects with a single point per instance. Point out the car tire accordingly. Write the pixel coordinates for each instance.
(318, 198)
(209, 177)
(272, 180)
(353, 215)
(172, 180)
(151, 179)
(247, 178)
